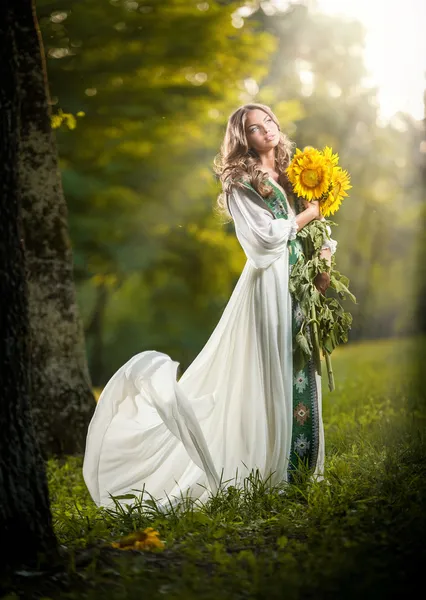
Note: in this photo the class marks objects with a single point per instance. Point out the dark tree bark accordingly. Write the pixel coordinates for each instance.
(62, 399)
(25, 520)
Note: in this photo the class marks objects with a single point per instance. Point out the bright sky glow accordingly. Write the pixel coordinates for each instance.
(395, 50)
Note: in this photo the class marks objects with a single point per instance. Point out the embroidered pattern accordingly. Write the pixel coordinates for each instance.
(297, 249)
(300, 381)
(301, 413)
(298, 315)
(277, 207)
(302, 445)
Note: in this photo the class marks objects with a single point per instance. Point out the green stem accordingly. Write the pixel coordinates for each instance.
(330, 374)
(316, 351)
(316, 344)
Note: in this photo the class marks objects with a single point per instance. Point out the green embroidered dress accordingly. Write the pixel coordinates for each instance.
(306, 383)
(237, 408)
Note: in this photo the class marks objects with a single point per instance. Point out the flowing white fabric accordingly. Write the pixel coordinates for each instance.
(231, 411)
(329, 242)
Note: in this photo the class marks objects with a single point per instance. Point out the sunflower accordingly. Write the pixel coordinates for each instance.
(340, 182)
(297, 160)
(332, 159)
(310, 174)
(291, 173)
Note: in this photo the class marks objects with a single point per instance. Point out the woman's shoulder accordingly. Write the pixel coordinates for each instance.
(242, 192)
(243, 185)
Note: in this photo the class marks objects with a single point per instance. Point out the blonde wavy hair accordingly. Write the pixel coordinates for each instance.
(237, 163)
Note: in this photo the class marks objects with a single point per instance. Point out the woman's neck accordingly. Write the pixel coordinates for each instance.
(271, 172)
(268, 160)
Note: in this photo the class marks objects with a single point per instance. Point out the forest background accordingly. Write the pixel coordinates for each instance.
(140, 95)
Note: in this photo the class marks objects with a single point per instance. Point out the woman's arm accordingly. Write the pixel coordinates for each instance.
(309, 214)
(263, 238)
(322, 280)
(326, 253)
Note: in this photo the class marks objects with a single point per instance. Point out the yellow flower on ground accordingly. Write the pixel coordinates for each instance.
(340, 181)
(148, 539)
(310, 174)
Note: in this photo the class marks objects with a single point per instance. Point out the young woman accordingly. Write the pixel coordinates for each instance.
(239, 407)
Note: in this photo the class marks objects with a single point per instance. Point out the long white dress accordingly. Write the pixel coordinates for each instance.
(231, 411)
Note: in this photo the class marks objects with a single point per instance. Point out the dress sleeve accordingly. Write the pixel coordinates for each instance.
(262, 237)
(329, 243)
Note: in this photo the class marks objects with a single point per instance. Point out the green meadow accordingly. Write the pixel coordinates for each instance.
(357, 533)
(139, 96)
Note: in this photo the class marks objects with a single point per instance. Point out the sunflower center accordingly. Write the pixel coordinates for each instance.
(310, 177)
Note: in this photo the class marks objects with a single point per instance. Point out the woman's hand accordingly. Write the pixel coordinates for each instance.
(310, 213)
(313, 207)
(322, 282)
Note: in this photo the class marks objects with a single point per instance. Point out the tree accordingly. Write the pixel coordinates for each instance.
(62, 400)
(25, 519)
(316, 87)
(155, 81)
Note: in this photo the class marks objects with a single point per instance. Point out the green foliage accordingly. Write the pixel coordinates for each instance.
(306, 539)
(333, 322)
(157, 81)
(380, 222)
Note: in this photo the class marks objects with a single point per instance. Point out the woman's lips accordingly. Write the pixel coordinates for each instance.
(270, 137)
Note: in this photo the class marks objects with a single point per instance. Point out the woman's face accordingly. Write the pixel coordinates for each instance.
(261, 131)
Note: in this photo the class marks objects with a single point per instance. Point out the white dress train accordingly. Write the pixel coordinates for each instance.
(231, 411)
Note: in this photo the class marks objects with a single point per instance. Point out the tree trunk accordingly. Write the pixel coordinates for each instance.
(62, 399)
(25, 519)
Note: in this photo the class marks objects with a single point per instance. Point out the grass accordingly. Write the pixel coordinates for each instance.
(358, 533)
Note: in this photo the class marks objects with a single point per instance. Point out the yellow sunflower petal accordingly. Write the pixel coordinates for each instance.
(310, 174)
(340, 184)
(328, 155)
(315, 175)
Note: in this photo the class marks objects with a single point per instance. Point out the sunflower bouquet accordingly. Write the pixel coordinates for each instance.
(316, 175)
